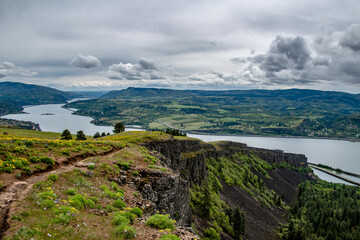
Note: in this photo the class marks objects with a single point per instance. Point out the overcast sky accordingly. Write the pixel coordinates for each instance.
(220, 44)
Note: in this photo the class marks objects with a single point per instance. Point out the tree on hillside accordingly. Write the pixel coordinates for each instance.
(97, 135)
(66, 135)
(238, 223)
(80, 135)
(103, 134)
(119, 127)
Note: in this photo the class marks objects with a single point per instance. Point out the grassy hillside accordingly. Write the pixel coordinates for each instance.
(60, 200)
(293, 112)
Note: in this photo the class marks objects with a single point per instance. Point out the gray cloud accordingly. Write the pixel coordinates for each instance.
(351, 38)
(147, 64)
(321, 61)
(82, 61)
(196, 37)
(9, 69)
(285, 52)
(144, 69)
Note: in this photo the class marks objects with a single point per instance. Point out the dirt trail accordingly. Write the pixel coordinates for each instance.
(19, 189)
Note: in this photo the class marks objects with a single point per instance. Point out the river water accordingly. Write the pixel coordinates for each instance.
(55, 118)
(336, 153)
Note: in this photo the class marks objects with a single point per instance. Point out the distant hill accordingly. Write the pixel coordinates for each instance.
(301, 95)
(14, 95)
(90, 94)
(291, 112)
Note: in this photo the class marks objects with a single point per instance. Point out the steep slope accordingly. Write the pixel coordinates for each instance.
(270, 183)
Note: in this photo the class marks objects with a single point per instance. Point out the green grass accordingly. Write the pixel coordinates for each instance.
(160, 221)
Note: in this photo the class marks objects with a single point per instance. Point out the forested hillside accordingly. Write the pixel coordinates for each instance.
(14, 95)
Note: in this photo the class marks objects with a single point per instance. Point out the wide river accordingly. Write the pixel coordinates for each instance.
(336, 153)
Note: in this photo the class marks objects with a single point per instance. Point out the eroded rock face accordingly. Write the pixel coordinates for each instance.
(169, 193)
(187, 158)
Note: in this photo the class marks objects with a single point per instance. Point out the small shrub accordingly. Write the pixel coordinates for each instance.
(66, 152)
(47, 203)
(136, 173)
(110, 208)
(52, 177)
(34, 159)
(91, 167)
(124, 165)
(64, 214)
(70, 191)
(135, 194)
(80, 202)
(137, 211)
(94, 199)
(47, 160)
(160, 221)
(212, 234)
(125, 231)
(24, 233)
(28, 143)
(18, 175)
(169, 237)
(119, 204)
(41, 185)
(47, 195)
(113, 195)
(130, 216)
(119, 219)
(116, 187)
(26, 170)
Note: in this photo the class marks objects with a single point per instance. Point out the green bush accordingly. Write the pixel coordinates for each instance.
(70, 191)
(136, 173)
(91, 167)
(41, 185)
(110, 208)
(80, 202)
(125, 231)
(113, 195)
(116, 187)
(47, 160)
(169, 237)
(52, 177)
(119, 204)
(26, 170)
(137, 211)
(34, 159)
(24, 233)
(160, 221)
(124, 165)
(119, 219)
(130, 216)
(211, 234)
(66, 152)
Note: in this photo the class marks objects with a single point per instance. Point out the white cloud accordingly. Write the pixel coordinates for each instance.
(82, 61)
(143, 70)
(9, 69)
